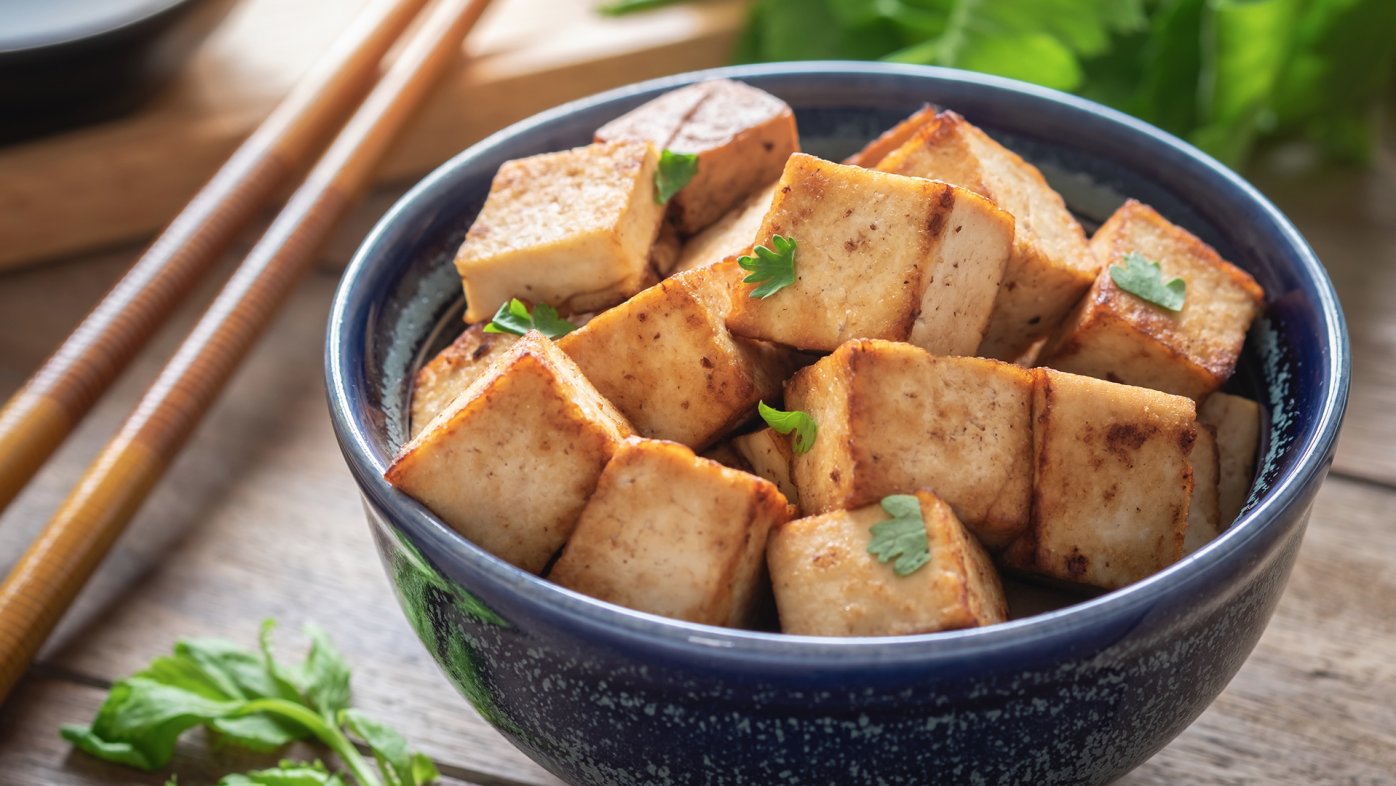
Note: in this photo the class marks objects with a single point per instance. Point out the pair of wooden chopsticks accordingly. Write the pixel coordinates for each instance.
(58, 563)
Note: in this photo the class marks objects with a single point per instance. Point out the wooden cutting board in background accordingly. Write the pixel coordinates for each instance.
(121, 181)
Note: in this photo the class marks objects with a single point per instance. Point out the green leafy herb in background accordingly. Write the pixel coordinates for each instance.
(513, 317)
(902, 537)
(673, 173)
(773, 268)
(251, 700)
(1225, 74)
(806, 430)
(1143, 278)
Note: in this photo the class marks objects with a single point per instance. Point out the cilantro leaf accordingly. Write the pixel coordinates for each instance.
(252, 700)
(287, 773)
(1144, 279)
(902, 537)
(785, 422)
(513, 317)
(773, 269)
(400, 766)
(621, 7)
(673, 173)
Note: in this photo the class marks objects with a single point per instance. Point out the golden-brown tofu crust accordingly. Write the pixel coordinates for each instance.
(769, 455)
(733, 235)
(670, 533)
(1113, 481)
(877, 256)
(666, 359)
(1050, 266)
(1118, 336)
(514, 458)
(742, 137)
(1237, 422)
(894, 418)
(893, 138)
(827, 584)
(452, 370)
(572, 229)
(1204, 514)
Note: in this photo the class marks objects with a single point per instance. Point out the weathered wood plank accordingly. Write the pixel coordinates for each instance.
(1349, 217)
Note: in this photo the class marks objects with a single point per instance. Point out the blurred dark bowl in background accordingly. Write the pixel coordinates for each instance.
(71, 62)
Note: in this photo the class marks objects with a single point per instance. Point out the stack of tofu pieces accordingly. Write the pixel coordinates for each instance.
(950, 330)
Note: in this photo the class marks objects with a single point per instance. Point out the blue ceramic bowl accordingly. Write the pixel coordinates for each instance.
(603, 695)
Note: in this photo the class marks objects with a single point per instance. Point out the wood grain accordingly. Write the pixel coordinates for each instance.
(120, 181)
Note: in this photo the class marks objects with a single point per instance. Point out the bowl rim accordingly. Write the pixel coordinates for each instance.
(87, 31)
(709, 644)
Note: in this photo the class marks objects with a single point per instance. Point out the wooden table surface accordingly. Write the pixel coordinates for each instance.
(258, 518)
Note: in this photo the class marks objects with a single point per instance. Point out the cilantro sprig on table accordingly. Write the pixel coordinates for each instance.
(1225, 74)
(254, 701)
(804, 427)
(1143, 278)
(902, 537)
(675, 170)
(514, 317)
(771, 267)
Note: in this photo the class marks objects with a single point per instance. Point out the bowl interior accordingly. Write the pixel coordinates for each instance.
(400, 298)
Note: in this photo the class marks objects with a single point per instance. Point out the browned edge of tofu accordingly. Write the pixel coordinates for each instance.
(1037, 554)
(893, 418)
(827, 583)
(893, 138)
(741, 134)
(1051, 265)
(591, 256)
(469, 464)
(666, 359)
(451, 371)
(623, 552)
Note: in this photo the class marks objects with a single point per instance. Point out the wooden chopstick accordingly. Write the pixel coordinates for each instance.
(58, 563)
(41, 414)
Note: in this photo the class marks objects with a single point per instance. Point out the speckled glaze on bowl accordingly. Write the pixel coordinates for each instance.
(602, 695)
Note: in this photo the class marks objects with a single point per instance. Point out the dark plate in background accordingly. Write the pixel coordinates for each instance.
(69, 62)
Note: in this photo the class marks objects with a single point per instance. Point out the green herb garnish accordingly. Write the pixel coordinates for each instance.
(785, 422)
(1224, 74)
(902, 537)
(251, 700)
(513, 317)
(775, 267)
(673, 173)
(619, 7)
(1144, 279)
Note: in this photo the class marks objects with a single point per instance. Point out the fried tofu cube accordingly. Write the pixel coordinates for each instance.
(1119, 336)
(571, 229)
(666, 359)
(893, 418)
(877, 256)
(673, 534)
(452, 370)
(828, 584)
(512, 460)
(1050, 266)
(769, 455)
(1237, 422)
(733, 234)
(1204, 512)
(741, 136)
(1113, 483)
(891, 139)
